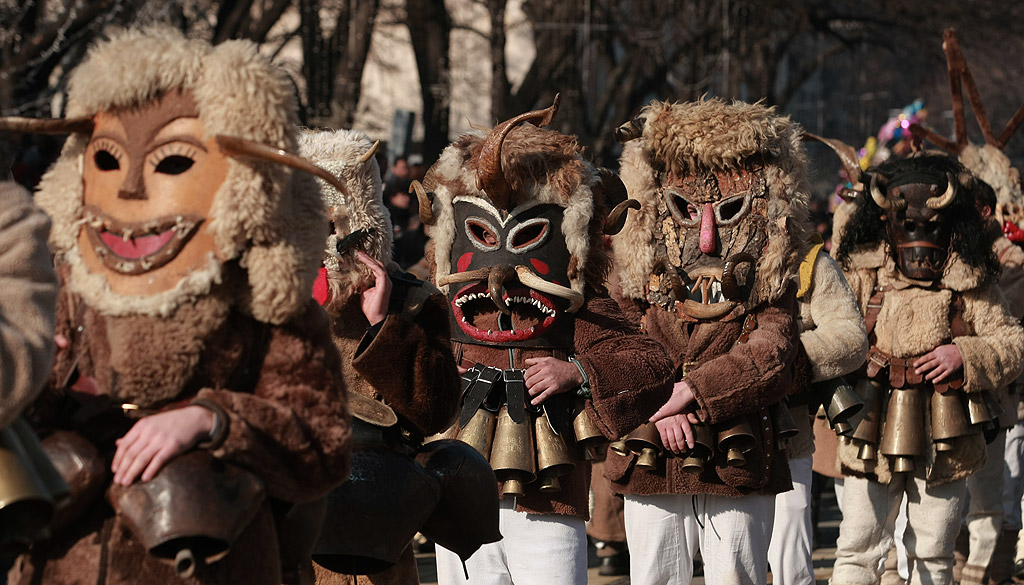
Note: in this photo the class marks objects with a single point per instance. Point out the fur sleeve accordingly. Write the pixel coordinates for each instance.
(1011, 281)
(755, 374)
(293, 430)
(993, 357)
(28, 295)
(410, 364)
(630, 375)
(837, 344)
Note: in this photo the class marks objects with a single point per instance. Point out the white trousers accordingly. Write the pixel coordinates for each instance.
(985, 504)
(666, 531)
(548, 549)
(866, 531)
(1013, 477)
(789, 554)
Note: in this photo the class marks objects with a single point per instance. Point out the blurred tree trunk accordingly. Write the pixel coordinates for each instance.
(430, 28)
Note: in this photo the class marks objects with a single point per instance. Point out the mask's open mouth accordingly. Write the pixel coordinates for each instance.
(708, 292)
(532, 314)
(138, 247)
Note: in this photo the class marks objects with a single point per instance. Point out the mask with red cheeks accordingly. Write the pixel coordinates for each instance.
(150, 175)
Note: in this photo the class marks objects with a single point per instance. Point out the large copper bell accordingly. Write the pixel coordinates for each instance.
(30, 488)
(734, 439)
(903, 433)
(588, 436)
(703, 449)
(841, 404)
(553, 457)
(298, 530)
(948, 419)
(192, 511)
(784, 425)
(978, 410)
(84, 470)
(466, 517)
(512, 456)
(645, 441)
(479, 432)
(619, 447)
(865, 430)
(374, 515)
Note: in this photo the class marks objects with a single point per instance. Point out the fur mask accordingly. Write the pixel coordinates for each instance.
(723, 207)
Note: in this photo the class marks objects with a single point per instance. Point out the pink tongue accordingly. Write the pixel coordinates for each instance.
(136, 248)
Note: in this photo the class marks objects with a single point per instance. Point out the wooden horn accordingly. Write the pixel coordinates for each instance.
(236, 147)
(46, 125)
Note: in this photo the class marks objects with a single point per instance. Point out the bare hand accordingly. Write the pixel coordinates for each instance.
(942, 362)
(158, 438)
(377, 297)
(61, 341)
(547, 376)
(682, 399)
(676, 433)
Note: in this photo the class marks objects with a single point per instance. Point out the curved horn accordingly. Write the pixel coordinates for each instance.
(369, 154)
(876, 193)
(46, 126)
(731, 290)
(528, 278)
(847, 156)
(616, 220)
(946, 198)
(426, 205)
(496, 285)
(490, 178)
(236, 147)
(630, 130)
(469, 276)
(679, 289)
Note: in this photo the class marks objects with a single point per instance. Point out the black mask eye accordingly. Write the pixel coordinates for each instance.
(105, 161)
(528, 235)
(732, 210)
(482, 234)
(174, 165)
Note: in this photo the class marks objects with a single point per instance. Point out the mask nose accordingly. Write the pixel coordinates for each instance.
(708, 230)
(132, 187)
(496, 280)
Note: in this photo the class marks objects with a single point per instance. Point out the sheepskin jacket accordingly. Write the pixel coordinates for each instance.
(731, 380)
(832, 335)
(914, 320)
(406, 361)
(277, 388)
(27, 299)
(630, 378)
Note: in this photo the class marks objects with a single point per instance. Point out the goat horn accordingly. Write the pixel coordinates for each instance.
(426, 205)
(847, 156)
(629, 131)
(528, 278)
(468, 276)
(946, 198)
(369, 153)
(880, 198)
(490, 178)
(731, 290)
(45, 125)
(679, 289)
(237, 147)
(616, 220)
(496, 285)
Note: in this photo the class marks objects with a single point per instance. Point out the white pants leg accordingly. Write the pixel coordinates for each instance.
(985, 509)
(837, 485)
(933, 521)
(547, 549)
(898, 532)
(1013, 477)
(865, 532)
(664, 532)
(789, 554)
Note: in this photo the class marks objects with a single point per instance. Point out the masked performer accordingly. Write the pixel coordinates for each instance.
(517, 249)
(942, 340)
(200, 372)
(393, 334)
(708, 265)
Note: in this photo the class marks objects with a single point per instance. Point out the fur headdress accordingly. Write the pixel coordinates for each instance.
(262, 214)
(711, 134)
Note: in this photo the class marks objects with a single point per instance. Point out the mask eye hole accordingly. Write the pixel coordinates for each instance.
(684, 212)
(105, 161)
(528, 235)
(175, 164)
(909, 225)
(482, 234)
(732, 210)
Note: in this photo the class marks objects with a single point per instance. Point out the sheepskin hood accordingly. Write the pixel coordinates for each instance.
(989, 164)
(262, 214)
(750, 142)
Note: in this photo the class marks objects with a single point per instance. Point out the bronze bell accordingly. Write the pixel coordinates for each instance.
(867, 422)
(449, 433)
(903, 432)
(646, 442)
(841, 406)
(298, 530)
(553, 456)
(619, 447)
(588, 436)
(83, 468)
(703, 448)
(784, 425)
(977, 409)
(512, 455)
(948, 419)
(735, 438)
(479, 432)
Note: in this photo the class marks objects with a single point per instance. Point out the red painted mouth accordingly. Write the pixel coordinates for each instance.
(528, 305)
(135, 248)
(138, 247)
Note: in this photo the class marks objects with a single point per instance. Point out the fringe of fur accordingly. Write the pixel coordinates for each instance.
(711, 133)
(989, 164)
(261, 214)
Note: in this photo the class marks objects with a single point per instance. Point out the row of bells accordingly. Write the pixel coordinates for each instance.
(953, 414)
(522, 453)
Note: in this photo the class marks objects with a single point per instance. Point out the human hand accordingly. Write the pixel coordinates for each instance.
(158, 438)
(547, 376)
(940, 362)
(375, 299)
(677, 432)
(682, 398)
(61, 341)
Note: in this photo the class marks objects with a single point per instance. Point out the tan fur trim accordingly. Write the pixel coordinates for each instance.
(261, 214)
(989, 164)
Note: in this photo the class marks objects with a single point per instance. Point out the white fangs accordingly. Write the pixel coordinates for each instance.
(459, 302)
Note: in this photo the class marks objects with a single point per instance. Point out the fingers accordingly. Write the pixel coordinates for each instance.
(156, 464)
(693, 418)
(62, 341)
(543, 392)
(926, 363)
(373, 264)
(939, 374)
(668, 437)
(684, 424)
(462, 369)
(125, 445)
